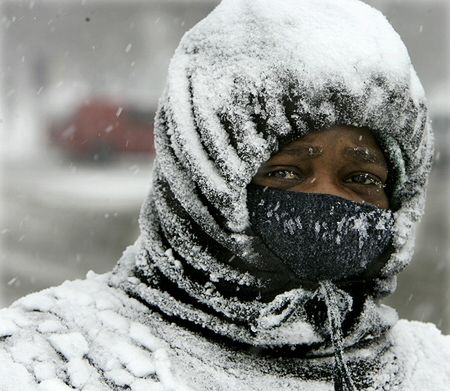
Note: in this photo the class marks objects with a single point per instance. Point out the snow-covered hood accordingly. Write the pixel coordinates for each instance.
(251, 76)
(257, 73)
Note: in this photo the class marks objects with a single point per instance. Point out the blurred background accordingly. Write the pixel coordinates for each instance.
(79, 84)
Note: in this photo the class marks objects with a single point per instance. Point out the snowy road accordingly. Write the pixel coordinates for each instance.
(62, 220)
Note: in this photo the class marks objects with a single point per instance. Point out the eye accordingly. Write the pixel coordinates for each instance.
(284, 174)
(365, 179)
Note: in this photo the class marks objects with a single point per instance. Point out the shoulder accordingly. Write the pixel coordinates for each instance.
(425, 354)
(425, 336)
(80, 335)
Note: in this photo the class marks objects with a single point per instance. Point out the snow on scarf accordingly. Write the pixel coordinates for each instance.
(251, 76)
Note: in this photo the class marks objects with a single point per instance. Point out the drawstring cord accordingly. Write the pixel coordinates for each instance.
(337, 303)
(342, 377)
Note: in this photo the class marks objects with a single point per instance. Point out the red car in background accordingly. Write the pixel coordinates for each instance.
(100, 130)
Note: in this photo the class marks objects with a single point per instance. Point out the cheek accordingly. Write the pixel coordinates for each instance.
(259, 180)
(378, 197)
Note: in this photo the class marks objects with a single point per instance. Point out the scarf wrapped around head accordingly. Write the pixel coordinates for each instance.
(253, 75)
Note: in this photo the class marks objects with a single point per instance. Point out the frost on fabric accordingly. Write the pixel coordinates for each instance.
(71, 345)
(323, 220)
(37, 303)
(7, 328)
(427, 375)
(250, 77)
(262, 44)
(74, 345)
(262, 40)
(152, 354)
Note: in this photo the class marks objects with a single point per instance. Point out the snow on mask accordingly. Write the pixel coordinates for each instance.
(319, 236)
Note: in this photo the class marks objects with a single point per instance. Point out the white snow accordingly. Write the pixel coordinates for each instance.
(54, 385)
(44, 371)
(50, 326)
(140, 334)
(37, 302)
(7, 327)
(70, 345)
(360, 225)
(429, 347)
(147, 384)
(133, 358)
(120, 376)
(80, 372)
(112, 320)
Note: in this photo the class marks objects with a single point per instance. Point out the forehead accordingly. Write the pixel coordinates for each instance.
(338, 135)
(353, 143)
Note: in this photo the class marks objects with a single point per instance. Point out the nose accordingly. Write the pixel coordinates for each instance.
(326, 185)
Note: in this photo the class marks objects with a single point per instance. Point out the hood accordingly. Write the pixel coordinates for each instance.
(250, 77)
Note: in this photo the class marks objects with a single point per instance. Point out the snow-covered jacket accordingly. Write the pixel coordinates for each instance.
(188, 306)
(86, 335)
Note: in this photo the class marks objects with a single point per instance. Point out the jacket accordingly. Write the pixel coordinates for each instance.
(89, 335)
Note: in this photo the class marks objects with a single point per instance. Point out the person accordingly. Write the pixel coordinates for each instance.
(293, 146)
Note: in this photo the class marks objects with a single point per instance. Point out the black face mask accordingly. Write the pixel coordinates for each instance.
(319, 236)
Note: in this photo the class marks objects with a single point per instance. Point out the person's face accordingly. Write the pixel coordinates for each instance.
(342, 161)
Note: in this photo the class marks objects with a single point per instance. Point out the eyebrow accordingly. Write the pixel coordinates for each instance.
(361, 154)
(310, 151)
(364, 154)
